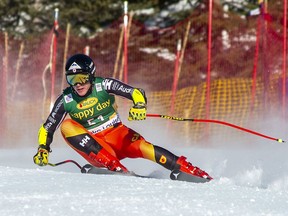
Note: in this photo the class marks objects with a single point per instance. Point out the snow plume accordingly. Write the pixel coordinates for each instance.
(279, 185)
(250, 178)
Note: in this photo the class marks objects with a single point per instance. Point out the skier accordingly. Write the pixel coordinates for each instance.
(94, 128)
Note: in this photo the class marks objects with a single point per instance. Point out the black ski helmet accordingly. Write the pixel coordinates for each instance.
(80, 64)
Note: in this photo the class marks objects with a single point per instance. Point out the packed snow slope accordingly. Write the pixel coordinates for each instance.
(250, 178)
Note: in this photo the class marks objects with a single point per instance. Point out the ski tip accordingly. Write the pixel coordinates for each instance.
(208, 177)
(281, 141)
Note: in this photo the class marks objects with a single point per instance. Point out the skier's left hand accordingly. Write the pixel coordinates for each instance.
(137, 112)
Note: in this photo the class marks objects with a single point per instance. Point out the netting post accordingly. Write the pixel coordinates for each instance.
(65, 54)
(125, 41)
(19, 60)
(184, 45)
(209, 60)
(86, 50)
(176, 77)
(118, 53)
(265, 59)
(54, 52)
(3, 101)
(284, 59)
(254, 81)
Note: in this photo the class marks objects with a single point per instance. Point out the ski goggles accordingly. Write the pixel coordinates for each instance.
(74, 79)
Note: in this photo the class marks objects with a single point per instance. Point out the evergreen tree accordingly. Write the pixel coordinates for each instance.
(29, 17)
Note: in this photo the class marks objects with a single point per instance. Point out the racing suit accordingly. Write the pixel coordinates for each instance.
(95, 130)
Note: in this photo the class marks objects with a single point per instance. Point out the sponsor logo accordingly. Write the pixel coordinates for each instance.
(92, 72)
(135, 137)
(52, 119)
(74, 66)
(172, 118)
(47, 126)
(87, 103)
(175, 175)
(124, 89)
(106, 125)
(91, 65)
(115, 85)
(68, 98)
(83, 114)
(107, 84)
(84, 140)
(163, 159)
(98, 87)
(59, 105)
(90, 112)
(103, 105)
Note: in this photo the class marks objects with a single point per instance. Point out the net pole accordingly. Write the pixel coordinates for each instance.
(254, 80)
(67, 36)
(208, 81)
(86, 50)
(120, 42)
(123, 56)
(125, 42)
(54, 52)
(209, 59)
(18, 64)
(176, 77)
(266, 60)
(284, 59)
(4, 90)
(184, 46)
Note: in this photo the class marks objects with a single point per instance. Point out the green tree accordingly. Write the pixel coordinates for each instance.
(30, 17)
(18, 16)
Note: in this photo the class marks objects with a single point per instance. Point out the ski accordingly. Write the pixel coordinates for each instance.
(175, 174)
(181, 176)
(88, 168)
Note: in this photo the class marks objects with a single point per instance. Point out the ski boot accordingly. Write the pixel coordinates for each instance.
(185, 171)
(104, 159)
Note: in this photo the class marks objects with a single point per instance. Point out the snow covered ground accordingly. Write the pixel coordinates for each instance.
(246, 183)
(250, 179)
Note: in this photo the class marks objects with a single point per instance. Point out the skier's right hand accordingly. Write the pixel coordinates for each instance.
(41, 157)
(137, 112)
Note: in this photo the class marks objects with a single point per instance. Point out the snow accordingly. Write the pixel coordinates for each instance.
(160, 52)
(250, 178)
(246, 183)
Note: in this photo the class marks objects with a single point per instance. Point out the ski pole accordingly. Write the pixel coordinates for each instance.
(66, 161)
(217, 122)
(83, 169)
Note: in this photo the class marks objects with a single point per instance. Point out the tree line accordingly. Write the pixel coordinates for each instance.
(21, 18)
